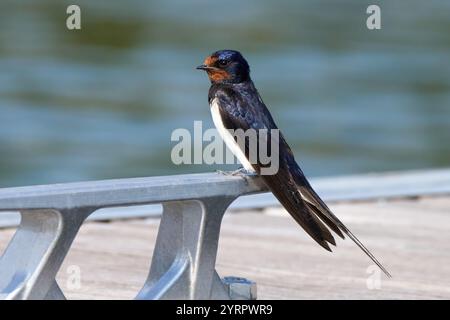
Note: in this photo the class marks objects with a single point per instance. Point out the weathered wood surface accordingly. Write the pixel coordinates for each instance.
(410, 236)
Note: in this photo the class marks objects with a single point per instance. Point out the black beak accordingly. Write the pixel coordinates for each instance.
(203, 67)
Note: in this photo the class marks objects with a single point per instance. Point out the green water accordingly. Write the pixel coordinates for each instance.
(102, 102)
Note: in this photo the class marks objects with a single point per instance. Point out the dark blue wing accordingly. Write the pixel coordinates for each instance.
(241, 107)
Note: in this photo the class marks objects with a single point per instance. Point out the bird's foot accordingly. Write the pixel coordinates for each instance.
(243, 172)
(239, 172)
(225, 173)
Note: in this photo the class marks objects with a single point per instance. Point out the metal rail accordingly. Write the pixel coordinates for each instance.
(183, 262)
(368, 186)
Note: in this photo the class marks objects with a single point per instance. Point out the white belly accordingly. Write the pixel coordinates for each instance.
(228, 138)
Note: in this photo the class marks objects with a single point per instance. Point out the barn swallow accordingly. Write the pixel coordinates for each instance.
(236, 104)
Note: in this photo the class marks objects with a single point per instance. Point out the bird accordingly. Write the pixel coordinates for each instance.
(235, 103)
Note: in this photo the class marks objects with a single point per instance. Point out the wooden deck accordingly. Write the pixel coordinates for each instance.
(410, 236)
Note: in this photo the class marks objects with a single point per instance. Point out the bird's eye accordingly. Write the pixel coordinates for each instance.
(223, 62)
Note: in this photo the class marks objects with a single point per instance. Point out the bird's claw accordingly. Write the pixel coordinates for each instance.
(243, 172)
(239, 172)
(225, 173)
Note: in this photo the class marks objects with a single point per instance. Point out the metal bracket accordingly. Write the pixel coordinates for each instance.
(184, 259)
(36, 252)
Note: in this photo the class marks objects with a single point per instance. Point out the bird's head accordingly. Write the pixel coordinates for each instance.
(226, 66)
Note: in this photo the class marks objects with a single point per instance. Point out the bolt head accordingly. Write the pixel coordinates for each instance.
(240, 288)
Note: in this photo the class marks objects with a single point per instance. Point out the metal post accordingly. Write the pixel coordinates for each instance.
(36, 252)
(183, 263)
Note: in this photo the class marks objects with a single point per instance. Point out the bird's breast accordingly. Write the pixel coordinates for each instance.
(227, 137)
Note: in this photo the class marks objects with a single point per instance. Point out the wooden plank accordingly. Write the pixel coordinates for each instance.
(410, 236)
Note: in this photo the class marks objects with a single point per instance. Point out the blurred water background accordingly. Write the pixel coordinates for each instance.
(102, 102)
